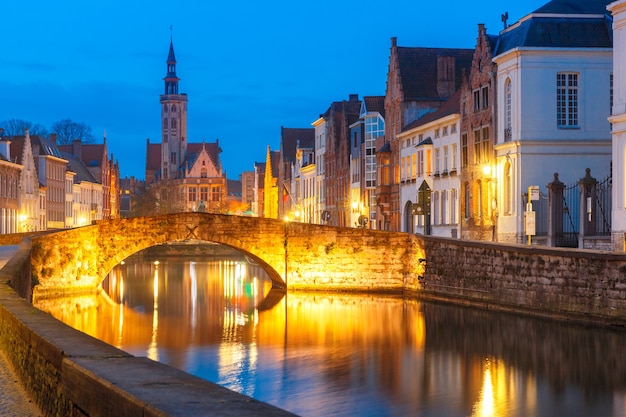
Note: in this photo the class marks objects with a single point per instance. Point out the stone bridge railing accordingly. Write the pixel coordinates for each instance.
(295, 255)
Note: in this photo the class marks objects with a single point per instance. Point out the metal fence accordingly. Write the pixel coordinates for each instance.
(602, 207)
(571, 217)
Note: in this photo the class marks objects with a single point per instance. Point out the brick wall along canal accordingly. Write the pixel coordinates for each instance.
(342, 355)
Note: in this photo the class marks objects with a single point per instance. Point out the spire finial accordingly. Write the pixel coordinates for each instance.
(171, 32)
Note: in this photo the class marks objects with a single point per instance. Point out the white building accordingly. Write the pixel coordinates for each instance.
(553, 95)
(618, 120)
(429, 172)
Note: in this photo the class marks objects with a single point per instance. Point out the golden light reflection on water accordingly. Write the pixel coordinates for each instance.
(314, 352)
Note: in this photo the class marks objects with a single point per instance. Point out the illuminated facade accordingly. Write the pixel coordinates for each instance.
(183, 176)
(553, 95)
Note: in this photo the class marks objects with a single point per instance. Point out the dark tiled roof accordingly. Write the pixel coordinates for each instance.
(385, 148)
(558, 32)
(289, 138)
(92, 155)
(418, 70)
(153, 154)
(427, 141)
(234, 187)
(375, 104)
(45, 146)
(452, 106)
(17, 149)
(574, 7)
(77, 166)
(550, 27)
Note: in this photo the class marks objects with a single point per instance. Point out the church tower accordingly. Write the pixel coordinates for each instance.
(174, 122)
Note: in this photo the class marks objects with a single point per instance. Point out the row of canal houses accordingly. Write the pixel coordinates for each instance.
(460, 135)
(45, 186)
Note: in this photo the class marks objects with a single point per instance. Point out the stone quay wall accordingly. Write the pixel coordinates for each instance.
(570, 284)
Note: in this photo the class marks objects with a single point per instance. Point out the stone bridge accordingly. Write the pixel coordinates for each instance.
(572, 284)
(296, 255)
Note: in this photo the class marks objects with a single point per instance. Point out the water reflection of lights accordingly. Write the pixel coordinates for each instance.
(486, 403)
(194, 293)
(153, 352)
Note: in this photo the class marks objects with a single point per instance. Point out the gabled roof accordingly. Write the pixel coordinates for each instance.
(77, 166)
(17, 149)
(452, 106)
(561, 24)
(44, 146)
(92, 154)
(418, 70)
(373, 104)
(153, 154)
(289, 138)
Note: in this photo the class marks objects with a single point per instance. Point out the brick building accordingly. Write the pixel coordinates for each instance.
(419, 81)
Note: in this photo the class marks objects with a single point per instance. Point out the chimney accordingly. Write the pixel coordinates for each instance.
(77, 149)
(53, 138)
(354, 97)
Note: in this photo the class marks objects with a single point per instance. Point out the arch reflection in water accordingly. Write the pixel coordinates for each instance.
(204, 298)
(344, 355)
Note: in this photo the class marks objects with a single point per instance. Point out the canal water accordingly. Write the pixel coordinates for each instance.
(343, 355)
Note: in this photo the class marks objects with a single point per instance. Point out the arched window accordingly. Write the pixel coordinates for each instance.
(508, 189)
(173, 108)
(508, 116)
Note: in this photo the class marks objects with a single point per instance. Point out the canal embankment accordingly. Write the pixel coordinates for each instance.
(70, 373)
(576, 285)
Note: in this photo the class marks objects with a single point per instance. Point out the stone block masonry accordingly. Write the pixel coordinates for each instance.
(577, 285)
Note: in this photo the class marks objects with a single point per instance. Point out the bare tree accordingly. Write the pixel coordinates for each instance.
(16, 127)
(67, 131)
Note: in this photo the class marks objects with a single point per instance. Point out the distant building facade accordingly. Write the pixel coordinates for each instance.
(183, 176)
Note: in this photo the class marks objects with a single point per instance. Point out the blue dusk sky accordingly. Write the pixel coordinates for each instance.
(248, 67)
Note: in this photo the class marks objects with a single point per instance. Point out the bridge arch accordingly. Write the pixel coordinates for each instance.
(295, 255)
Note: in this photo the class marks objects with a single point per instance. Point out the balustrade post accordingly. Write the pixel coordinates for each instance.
(555, 210)
(587, 225)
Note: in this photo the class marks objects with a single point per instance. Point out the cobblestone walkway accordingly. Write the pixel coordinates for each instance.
(14, 400)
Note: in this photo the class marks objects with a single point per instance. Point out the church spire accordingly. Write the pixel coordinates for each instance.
(171, 80)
